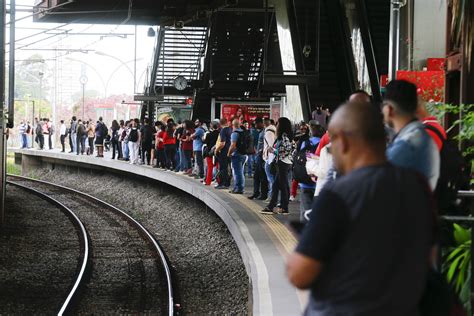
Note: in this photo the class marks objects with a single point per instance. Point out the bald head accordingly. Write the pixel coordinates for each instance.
(357, 137)
(362, 120)
(360, 96)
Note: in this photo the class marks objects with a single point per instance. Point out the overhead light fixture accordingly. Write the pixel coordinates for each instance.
(151, 32)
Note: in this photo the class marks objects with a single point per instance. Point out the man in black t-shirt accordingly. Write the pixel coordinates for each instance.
(367, 246)
(147, 141)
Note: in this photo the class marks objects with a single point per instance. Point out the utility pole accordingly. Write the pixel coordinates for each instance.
(2, 114)
(83, 80)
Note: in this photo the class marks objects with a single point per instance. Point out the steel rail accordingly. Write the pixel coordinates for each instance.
(83, 238)
(131, 220)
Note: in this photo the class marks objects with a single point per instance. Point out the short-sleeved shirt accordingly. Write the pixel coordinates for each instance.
(197, 142)
(187, 145)
(413, 148)
(160, 135)
(373, 230)
(225, 137)
(234, 138)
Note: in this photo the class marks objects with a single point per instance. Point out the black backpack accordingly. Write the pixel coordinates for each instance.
(105, 130)
(451, 174)
(299, 163)
(245, 143)
(133, 137)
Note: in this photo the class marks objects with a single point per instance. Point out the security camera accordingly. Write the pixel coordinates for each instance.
(211, 83)
(306, 51)
(123, 101)
(179, 24)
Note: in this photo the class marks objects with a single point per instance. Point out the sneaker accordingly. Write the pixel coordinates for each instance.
(267, 200)
(282, 211)
(253, 196)
(266, 211)
(221, 187)
(292, 198)
(262, 198)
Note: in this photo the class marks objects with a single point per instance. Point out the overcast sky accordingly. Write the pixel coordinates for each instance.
(100, 69)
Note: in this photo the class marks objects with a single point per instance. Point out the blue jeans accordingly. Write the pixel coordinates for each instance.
(270, 178)
(178, 159)
(186, 159)
(250, 165)
(126, 152)
(238, 172)
(74, 142)
(24, 141)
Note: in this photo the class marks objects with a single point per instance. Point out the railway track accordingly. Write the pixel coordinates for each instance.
(122, 268)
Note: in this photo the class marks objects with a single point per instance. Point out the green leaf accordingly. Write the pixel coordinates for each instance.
(453, 253)
(452, 269)
(461, 234)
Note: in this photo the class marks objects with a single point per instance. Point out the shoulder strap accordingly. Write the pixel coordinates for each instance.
(436, 131)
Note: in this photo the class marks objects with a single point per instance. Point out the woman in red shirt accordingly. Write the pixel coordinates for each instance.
(160, 147)
(187, 146)
(170, 146)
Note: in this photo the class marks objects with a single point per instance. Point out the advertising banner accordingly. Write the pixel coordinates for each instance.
(163, 114)
(247, 112)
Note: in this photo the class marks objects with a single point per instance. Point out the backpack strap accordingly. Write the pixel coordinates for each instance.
(436, 131)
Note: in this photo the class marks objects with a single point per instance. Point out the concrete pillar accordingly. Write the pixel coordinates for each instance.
(29, 163)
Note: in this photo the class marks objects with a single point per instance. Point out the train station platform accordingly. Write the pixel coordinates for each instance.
(264, 241)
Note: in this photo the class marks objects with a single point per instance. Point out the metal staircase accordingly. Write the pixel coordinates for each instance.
(179, 52)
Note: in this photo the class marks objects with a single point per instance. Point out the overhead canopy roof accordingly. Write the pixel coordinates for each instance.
(145, 12)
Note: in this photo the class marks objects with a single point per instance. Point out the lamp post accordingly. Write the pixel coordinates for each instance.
(83, 80)
(40, 75)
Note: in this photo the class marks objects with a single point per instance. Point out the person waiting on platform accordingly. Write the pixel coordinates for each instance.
(221, 153)
(101, 131)
(237, 155)
(412, 147)
(359, 254)
(283, 152)
(134, 142)
(147, 132)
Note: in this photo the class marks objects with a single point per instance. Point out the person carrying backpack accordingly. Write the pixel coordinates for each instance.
(101, 131)
(80, 139)
(39, 133)
(237, 153)
(134, 142)
(452, 165)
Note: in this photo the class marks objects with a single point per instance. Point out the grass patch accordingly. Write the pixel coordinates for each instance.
(12, 168)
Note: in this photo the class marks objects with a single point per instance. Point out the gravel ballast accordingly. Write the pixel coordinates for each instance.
(211, 276)
(40, 253)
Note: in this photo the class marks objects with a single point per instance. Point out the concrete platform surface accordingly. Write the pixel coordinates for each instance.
(264, 241)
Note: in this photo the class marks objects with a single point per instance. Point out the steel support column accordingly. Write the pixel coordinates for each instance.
(11, 68)
(394, 44)
(2, 114)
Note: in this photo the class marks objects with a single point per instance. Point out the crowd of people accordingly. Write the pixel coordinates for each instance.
(365, 186)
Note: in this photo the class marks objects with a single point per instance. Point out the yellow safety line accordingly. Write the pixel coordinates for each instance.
(273, 225)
